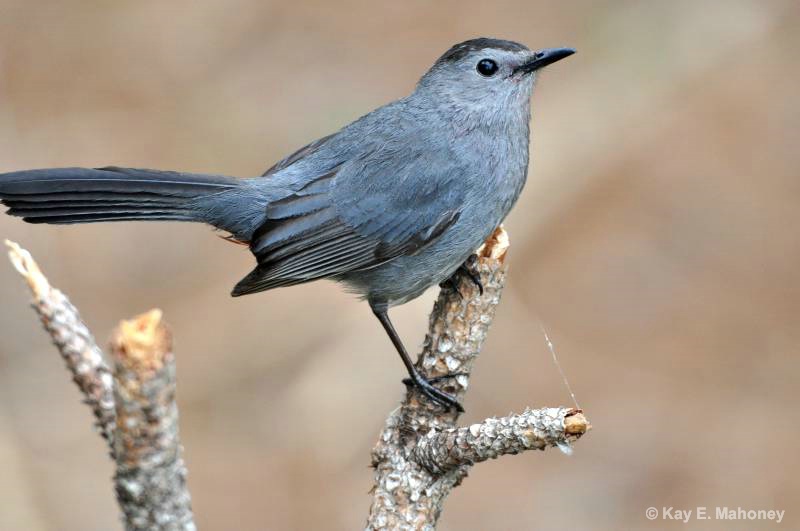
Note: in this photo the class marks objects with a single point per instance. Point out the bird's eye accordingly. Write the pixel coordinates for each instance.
(487, 67)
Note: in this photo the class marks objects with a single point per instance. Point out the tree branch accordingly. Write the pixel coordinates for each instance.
(151, 477)
(134, 405)
(74, 342)
(421, 455)
(444, 450)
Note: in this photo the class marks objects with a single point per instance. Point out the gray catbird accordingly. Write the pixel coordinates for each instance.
(392, 204)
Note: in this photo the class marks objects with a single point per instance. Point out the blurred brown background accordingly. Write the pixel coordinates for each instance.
(657, 240)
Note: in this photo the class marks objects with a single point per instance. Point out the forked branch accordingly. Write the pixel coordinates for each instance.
(422, 454)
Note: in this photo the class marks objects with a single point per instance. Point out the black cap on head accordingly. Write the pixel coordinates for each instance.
(462, 49)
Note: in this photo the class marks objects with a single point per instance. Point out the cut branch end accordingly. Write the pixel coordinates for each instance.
(26, 266)
(575, 423)
(496, 247)
(142, 343)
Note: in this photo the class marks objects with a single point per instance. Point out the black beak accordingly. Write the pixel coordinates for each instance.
(543, 58)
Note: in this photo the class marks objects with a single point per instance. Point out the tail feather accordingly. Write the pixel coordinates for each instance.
(109, 179)
(81, 195)
(95, 218)
(47, 197)
(60, 202)
(101, 208)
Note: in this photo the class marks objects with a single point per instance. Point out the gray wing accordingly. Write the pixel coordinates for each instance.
(354, 217)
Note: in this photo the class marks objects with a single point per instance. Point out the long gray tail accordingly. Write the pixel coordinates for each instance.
(81, 195)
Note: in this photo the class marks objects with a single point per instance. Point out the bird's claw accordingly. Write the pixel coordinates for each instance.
(468, 270)
(437, 379)
(425, 386)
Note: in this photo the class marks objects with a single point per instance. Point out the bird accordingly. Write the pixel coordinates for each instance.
(390, 205)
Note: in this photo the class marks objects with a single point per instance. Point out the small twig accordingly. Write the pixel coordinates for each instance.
(74, 342)
(441, 451)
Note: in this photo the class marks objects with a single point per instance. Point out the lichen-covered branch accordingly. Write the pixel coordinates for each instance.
(151, 476)
(421, 455)
(134, 404)
(74, 342)
(441, 451)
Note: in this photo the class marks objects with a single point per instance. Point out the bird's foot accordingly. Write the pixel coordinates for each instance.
(437, 379)
(438, 396)
(469, 271)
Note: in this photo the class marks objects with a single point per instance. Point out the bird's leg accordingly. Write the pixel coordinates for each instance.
(414, 376)
(466, 270)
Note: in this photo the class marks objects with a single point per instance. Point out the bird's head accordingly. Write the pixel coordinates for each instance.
(487, 75)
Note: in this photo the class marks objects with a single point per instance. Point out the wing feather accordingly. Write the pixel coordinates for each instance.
(368, 217)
